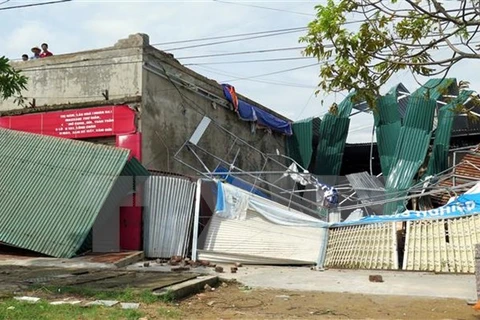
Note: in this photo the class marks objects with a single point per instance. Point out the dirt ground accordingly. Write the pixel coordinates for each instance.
(228, 301)
(235, 301)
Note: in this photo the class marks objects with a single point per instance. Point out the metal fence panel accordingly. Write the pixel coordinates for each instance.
(372, 246)
(168, 216)
(446, 245)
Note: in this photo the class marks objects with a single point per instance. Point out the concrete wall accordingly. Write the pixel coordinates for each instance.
(171, 113)
(82, 76)
(168, 114)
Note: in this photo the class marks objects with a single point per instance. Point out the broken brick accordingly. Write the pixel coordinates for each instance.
(375, 278)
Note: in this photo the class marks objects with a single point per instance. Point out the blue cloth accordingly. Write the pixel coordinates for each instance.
(238, 183)
(464, 205)
(248, 112)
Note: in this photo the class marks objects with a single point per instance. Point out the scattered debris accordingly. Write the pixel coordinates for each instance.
(128, 305)
(238, 264)
(471, 302)
(180, 269)
(159, 261)
(65, 301)
(146, 264)
(28, 299)
(219, 269)
(477, 306)
(11, 308)
(233, 269)
(105, 303)
(204, 263)
(176, 259)
(207, 288)
(211, 303)
(201, 296)
(224, 284)
(284, 297)
(375, 278)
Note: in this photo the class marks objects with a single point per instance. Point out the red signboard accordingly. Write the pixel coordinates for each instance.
(132, 142)
(75, 124)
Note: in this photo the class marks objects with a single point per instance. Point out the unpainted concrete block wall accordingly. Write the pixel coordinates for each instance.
(171, 113)
(81, 77)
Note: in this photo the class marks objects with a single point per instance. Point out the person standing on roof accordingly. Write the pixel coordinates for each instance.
(36, 53)
(45, 52)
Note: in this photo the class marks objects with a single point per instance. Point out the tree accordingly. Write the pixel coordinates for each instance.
(390, 36)
(12, 82)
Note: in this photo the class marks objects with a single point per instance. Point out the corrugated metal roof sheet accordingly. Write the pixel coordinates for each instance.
(388, 124)
(439, 159)
(368, 188)
(168, 216)
(332, 139)
(52, 189)
(299, 145)
(436, 88)
(411, 148)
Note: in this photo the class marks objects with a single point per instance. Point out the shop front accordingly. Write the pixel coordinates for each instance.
(108, 125)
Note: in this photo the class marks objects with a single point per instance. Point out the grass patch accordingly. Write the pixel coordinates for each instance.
(16, 310)
(121, 295)
(167, 313)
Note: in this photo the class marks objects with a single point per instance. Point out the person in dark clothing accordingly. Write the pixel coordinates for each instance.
(25, 57)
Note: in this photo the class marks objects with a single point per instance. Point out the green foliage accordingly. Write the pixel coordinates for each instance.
(122, 295)
(390, 37)
(12, 82)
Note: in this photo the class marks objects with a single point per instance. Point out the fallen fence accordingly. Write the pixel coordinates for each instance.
(370, 246)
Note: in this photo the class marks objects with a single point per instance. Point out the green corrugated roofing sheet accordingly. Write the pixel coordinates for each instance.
(388, 123)
(52, 189)
(411, 148)
(436, 88)
(299, 145)
(333, 136)
(439, 159)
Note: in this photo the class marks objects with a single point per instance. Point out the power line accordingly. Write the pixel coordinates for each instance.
(275, 72)
(229, 36)
(280, 83)
(241, 52)
(34, 4)
(234, 40)
(266, 8)
(249, 61)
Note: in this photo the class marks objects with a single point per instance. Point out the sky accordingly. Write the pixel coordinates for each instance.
(83, 25)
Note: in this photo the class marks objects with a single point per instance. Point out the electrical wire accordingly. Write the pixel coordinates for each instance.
(34, 4)
(229, 36)
(266, 8)
(234, 40)
(280, 83)
(250, 61)
(275, 72)
(241, 52)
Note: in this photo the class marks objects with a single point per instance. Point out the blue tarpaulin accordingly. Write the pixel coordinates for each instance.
(248, 112)
(239, 183)
(464, 205)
